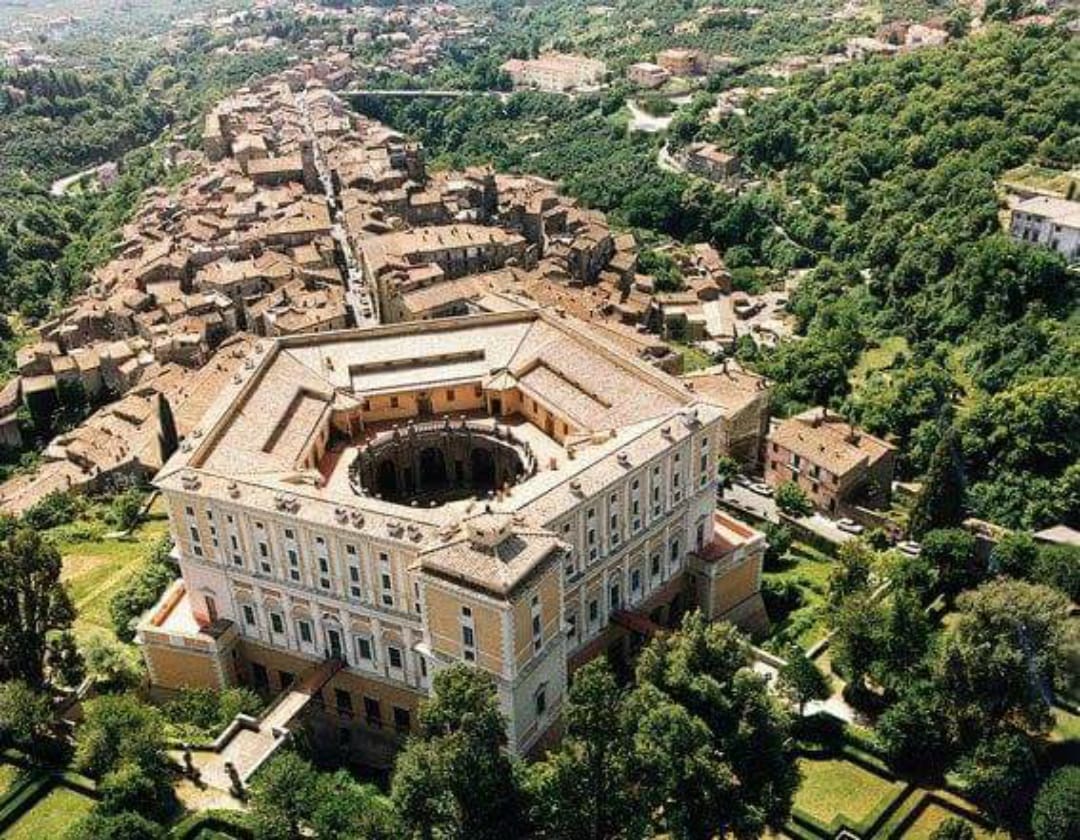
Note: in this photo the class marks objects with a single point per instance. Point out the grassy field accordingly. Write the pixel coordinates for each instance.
(51, 816)
(96, 566)
(836, 787)
(877, 358)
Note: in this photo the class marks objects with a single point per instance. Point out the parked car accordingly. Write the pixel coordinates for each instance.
(909, 547)
(742, 480)
(760, 488)
(849, 526)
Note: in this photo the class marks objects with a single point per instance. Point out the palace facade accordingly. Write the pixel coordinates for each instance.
(505, 489)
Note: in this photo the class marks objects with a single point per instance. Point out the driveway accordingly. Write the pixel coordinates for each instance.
(764, 507)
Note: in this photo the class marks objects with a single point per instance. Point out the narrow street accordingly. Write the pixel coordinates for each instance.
(360, 298)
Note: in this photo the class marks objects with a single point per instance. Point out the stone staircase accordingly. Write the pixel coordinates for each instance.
(247, 743)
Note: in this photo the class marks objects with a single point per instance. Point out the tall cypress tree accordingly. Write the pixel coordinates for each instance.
(940, 503)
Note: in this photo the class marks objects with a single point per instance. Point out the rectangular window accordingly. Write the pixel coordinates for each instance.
(372, 711)
(249, 615)
(303, 628)
(654, 565)
(277, 623)
(343, 700)
(354, 582)
(635, 581)
(387, 589)
(468, 636)
(594, 611)
(450, 394)
(402, 719)
(393, 656)
(364, 649)
(537, 632)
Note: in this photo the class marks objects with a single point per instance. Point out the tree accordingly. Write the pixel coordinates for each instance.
(908, 740)
(1001, 777)
(346, 810)
(1058, 566)
(801, 681)
(999, 661)
(940, 503)
(777, 543)
(461, 766)
(33, 602)
(1014, 555)
(850, 575)
(726, 469)
(952, 552)
(791, 499)
(697, 683)
(682, 770)
(131, 789)
(65, 662)
(283, 796)
(142, 590)
(126, 508)
(1057, 806)
(856, 645)
(118, 730)
(25, 716)
(905, 639)
(953, 828)
(586, 790)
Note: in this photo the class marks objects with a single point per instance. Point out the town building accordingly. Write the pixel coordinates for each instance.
(647, 75)
(837, 465)
(709, 161)
(1050, 222)
(680, 62)
(555, 72)
(508, 490)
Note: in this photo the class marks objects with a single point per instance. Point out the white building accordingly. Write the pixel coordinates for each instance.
(1050, 222)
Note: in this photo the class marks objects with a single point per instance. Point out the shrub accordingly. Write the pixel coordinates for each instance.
(1057, 806)
(953, 828)
(205, 712)
(781, 597)
(58, 508)
(143, 590)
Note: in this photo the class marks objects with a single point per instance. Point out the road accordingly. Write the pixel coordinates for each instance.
(359, 297)
(410, 93)
(60, 186)
(764, 507)
(645, 122)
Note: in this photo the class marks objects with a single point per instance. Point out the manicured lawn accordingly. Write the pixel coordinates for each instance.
(833, 788)
(51, 816)
(808, 569)
(95, 567)
(9, 774)
(933, 816)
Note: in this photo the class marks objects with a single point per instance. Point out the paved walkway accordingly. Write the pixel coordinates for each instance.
(249, 748)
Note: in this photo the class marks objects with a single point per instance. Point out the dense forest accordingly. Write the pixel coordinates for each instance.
(879, 178)
(896, 162)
